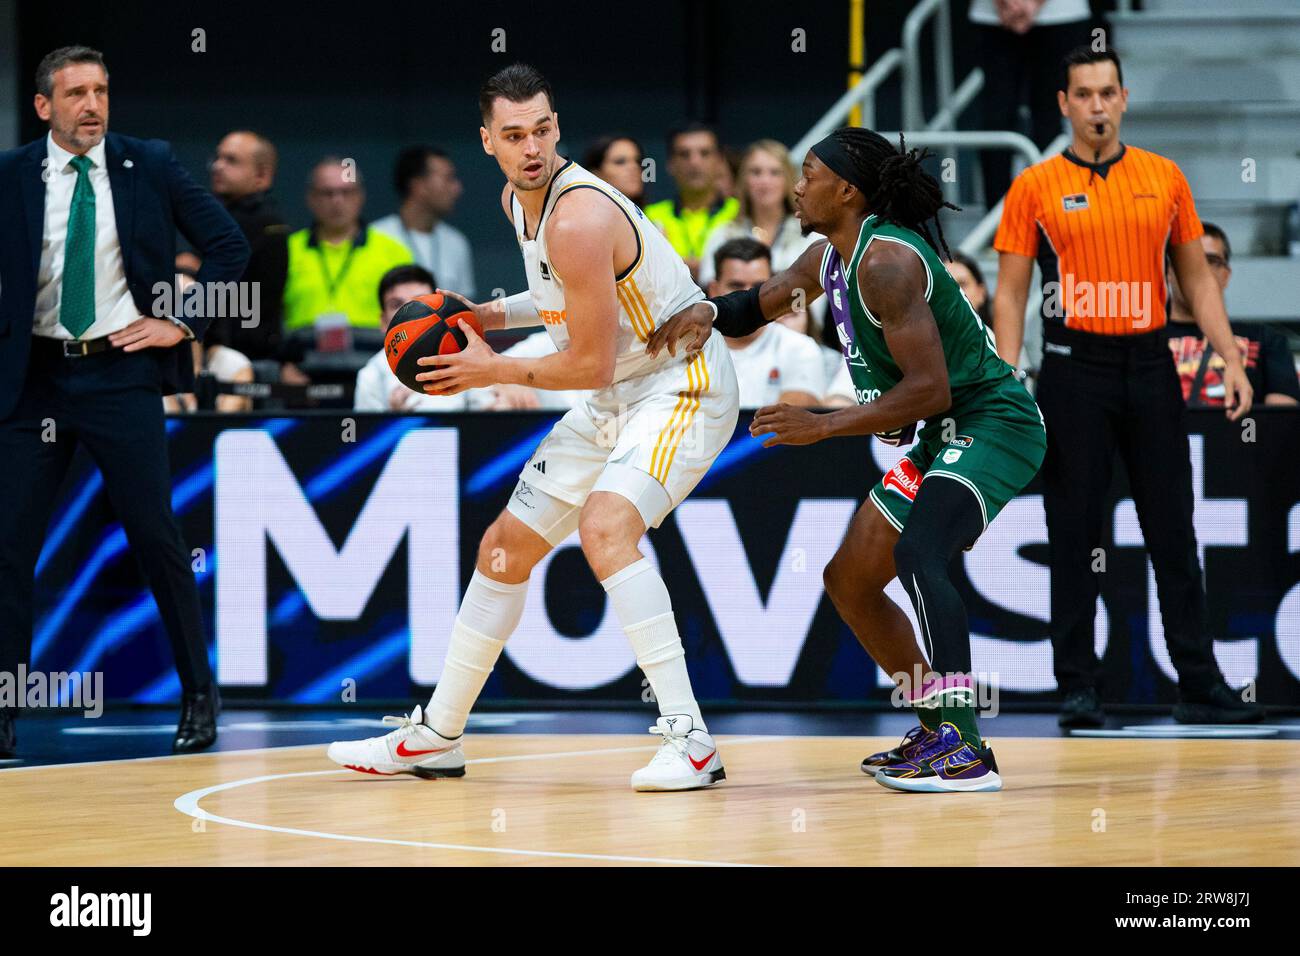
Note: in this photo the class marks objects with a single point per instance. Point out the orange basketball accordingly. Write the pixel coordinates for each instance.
(427, 325)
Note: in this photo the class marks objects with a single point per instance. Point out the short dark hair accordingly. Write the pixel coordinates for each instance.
(412, 163)
(517, 83)
(56, 60)
(264, 151)
(743, 249)
(694, 126)
(1082, 55)
(1217, 233)
(401, 275)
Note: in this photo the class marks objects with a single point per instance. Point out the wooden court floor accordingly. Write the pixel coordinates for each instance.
(564, 800)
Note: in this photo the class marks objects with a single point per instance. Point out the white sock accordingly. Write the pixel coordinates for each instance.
(489, 613)
(645, 610)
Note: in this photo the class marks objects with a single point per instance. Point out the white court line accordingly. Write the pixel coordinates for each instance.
(300, 747)
(188, 803)
(201, 753)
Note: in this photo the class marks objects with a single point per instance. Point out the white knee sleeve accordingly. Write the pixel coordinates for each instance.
(544, 513)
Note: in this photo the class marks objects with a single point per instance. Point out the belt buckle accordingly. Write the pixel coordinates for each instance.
(74, 348)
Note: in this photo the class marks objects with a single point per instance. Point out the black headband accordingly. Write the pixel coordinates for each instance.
(837, 160)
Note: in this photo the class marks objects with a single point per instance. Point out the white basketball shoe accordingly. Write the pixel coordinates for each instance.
(414, 747)
(687, 760)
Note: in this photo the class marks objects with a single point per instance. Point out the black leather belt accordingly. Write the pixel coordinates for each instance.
(74, 348)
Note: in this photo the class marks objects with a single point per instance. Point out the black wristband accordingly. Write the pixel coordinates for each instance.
(739, 313)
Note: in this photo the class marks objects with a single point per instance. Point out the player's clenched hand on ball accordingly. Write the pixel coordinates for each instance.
(691, 327)
(474, 366)
(788, 425)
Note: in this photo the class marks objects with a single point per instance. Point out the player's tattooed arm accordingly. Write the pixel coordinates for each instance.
(893, 281)
(740, 313)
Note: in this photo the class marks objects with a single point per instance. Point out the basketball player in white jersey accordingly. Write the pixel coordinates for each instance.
(601, 279)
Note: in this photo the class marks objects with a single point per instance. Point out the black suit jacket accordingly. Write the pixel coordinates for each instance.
(153, 197)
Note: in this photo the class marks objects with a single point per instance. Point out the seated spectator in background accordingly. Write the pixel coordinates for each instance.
(226, 366)
(335, 265)
(970, 278)
(617, 160)
(223, 363)
(426, 182)
(776, 363)
(378, 389)
(729, 173)
(512, 397)
(765, 209)
(694, 155)
(1269, 365)
(840, 391)
(806, 323)
(242, 173)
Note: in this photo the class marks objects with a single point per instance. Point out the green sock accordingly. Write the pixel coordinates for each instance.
(929, 716)
(961, 711)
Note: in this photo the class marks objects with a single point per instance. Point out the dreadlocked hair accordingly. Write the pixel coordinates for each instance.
(904, 192)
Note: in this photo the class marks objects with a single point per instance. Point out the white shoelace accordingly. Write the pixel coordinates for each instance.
(676, 741)
(403, 723)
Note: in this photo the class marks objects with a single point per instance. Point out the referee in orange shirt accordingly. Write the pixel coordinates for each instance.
(1099, 218)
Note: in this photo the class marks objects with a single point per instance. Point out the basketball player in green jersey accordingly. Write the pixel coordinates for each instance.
(916, 350)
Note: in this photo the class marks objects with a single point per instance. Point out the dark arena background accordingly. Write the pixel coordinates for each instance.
(331, 519)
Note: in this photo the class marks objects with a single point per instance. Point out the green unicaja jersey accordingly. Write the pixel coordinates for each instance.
(976, 375)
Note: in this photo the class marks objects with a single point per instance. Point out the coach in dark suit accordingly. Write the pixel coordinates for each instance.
(88, 222)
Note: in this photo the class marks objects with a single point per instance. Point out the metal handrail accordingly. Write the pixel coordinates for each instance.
(970, 87)
(987, 139)
(982, 234)
(946, 118)
(912, 110)
(863, 93)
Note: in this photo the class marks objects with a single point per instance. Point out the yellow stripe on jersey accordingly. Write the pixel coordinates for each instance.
(625, 300)
(645, 309)
(690, 417)
(638, 310)
(683, 399)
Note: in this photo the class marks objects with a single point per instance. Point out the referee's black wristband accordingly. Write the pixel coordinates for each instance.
(738, 313)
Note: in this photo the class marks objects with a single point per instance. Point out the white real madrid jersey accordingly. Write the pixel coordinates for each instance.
(655, 286)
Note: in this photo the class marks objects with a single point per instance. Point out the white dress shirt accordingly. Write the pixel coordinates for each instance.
(1053, 12)
(444, 251)
(114, 307)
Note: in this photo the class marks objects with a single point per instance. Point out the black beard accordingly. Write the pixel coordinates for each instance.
(806, 229)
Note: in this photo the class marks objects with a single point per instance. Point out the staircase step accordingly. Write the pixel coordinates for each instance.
(1198, 6)
(1258, 34)
(1264, 289)
(1253, 228)
(1152, 79)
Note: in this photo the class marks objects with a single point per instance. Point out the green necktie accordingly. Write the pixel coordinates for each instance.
(77, 307)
